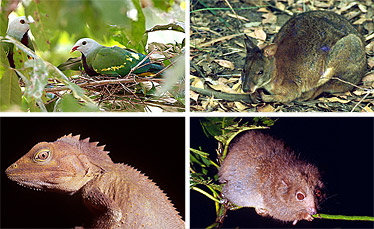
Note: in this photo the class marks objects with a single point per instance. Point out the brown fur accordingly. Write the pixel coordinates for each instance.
(308, 51)
(261, 172)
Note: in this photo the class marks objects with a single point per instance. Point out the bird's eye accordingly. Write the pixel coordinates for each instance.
(300, 196)
(42, 155)
(22, 21)
(84, 42)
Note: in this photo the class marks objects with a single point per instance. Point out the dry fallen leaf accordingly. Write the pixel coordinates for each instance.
(263, 10)
(323, 4)
(197, 82)
(194, 96)
(366, 109)
(225, 63)
(371, 62)
(266, 108)
(280, 6)
(369, 77)
(269, 18)
(334, 99)
(363, 8)
(221, 86)
(240, 106)
(359, 92)
(237, 87)
(260, 34)
(348, 6)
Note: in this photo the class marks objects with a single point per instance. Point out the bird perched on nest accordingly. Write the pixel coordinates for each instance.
(18, 29)
(109, 61)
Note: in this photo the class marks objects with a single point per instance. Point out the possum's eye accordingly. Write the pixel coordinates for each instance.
(318, 193)
(300, 196)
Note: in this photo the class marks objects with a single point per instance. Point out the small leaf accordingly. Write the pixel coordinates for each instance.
(225, 63)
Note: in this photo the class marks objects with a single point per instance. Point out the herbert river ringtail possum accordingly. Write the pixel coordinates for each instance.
(261, 172)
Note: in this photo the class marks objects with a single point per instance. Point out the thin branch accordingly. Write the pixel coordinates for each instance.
(100, 83)
(362, 99)
(354, 85)
(206, 194)
(344, 217)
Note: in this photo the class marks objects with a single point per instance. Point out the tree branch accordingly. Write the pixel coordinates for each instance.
(102, 82)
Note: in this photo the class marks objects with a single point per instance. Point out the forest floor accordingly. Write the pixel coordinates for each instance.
(218, 53)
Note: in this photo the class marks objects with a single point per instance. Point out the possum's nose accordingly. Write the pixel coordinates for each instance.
(312, 210)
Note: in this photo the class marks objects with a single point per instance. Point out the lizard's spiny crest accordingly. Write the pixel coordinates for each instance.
(91, 149)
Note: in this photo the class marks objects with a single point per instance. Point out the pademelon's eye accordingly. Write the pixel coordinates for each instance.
(84, 42)
(300, 196)
(42, 155)
(260, 72)
(22, 21)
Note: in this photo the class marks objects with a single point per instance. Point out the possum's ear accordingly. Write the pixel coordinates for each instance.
(283, 187)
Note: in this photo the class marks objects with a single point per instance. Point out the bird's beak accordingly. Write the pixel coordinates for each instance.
(74, 49)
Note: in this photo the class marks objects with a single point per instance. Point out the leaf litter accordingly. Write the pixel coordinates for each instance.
(218, 51)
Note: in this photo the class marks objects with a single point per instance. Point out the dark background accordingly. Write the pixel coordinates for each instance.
(342, 149)
(155, 146)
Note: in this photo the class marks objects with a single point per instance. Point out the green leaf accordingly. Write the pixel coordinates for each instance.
(79, 18)
(10, 91)
(127, 13)
(3, 17)
(178, 27)
(215, 126)
(119, 36)
(162, 4)
(70, 104)
(45, 14)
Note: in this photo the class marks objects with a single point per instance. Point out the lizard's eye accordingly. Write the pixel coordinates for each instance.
(300, 196)
(42, 155)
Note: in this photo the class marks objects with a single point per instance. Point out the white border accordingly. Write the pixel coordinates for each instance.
(187, 114)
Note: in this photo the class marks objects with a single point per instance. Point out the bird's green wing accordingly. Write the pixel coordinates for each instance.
(115, 61)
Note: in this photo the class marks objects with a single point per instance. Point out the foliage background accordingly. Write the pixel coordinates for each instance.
(59, 24)
(341, 148)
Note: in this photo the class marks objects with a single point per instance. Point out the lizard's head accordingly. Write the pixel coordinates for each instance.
(63, 166)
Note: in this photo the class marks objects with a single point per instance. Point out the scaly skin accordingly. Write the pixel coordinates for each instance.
(118, 195)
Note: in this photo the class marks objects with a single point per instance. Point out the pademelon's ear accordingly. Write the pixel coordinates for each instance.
(250, 46)
(270, 50)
